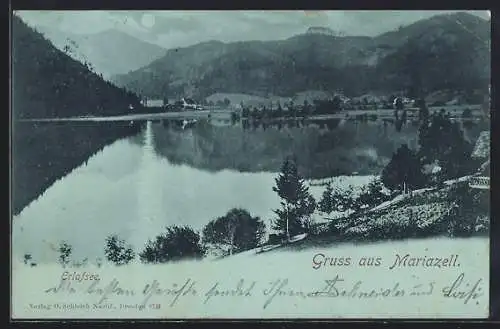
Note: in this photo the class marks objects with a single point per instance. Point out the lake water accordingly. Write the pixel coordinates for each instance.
(166, 175)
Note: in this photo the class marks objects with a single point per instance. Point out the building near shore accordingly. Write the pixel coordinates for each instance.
(152, 102)
(481, 179)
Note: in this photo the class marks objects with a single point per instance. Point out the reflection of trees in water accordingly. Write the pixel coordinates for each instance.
(45, 152)
(332, 123)
(290, 123)
(321, 152)
(398, 125)
(364, 147)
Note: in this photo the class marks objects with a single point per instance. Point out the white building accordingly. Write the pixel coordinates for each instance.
(189, 104)
(153, 102)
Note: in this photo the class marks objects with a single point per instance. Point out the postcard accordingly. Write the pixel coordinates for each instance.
(250, 164)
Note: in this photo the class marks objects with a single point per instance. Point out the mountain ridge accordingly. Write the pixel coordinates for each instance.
(356, 64)
(110, 52)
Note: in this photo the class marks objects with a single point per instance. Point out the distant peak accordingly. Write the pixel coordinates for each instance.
(459, 15)
(320, 30)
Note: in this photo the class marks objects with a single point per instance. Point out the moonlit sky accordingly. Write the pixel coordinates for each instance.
(171, 29)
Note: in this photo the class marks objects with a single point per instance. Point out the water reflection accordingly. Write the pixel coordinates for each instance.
(323, 147)
(44, 152)
(131, 191)
(150, 212)
(178, 174)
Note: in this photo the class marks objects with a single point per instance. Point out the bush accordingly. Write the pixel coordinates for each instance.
(237, 229)
(117, 251)
(274, 239)
(337, 200)
(372, 195)
(65, 250)
(399, 229)
(27, 259)
(175, 244)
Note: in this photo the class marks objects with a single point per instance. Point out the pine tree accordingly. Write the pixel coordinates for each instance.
(296, 204)
(309, 206)
(325, 204)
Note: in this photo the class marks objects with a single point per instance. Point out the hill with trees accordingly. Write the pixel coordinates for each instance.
(441, 53)
(444, 51)
(48, 83)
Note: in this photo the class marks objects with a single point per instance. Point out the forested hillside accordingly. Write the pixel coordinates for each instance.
(444, 51)
(47, 83)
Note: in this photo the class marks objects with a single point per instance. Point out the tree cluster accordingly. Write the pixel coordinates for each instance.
(441, 143)
(292, 110)
(403, 171)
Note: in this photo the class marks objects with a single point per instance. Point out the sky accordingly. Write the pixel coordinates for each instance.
(171, 29)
